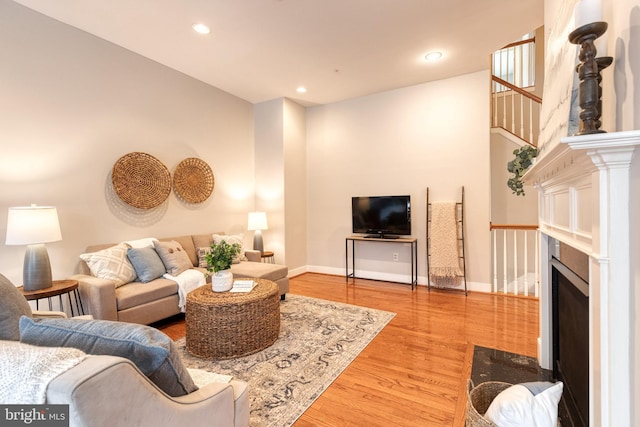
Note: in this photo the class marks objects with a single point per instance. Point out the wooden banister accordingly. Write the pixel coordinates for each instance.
(517, 89)
(520, 42)
(493, 226)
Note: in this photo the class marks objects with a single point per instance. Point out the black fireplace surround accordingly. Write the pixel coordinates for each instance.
(570, 311)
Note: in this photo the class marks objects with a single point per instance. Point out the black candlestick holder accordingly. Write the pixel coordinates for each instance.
(589, 90)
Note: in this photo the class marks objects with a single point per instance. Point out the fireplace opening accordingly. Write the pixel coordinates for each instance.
(570, 299)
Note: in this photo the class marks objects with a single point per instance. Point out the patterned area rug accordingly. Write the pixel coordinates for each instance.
(318, 340)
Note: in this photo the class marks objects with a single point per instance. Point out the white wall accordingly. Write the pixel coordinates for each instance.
(281, 179)
(295, 183)
(72, 104)
(402, 141)
(269, 172)
(621, 81)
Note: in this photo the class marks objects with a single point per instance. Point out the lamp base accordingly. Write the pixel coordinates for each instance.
(36, 272)
(257, 241)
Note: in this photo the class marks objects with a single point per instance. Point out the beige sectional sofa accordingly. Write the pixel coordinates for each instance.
(145, 303)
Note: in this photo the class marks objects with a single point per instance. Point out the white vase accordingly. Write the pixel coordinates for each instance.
(222, 281)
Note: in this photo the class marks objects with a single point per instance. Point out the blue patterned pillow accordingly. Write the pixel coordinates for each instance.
(149, 349)
(146, 262)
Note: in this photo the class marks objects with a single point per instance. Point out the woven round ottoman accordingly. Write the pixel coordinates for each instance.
(224, 325)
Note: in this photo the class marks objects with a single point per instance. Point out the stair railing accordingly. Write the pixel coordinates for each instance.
(514, 258)
(513, 108)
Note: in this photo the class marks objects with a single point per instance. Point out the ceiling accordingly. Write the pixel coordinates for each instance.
(260, 50)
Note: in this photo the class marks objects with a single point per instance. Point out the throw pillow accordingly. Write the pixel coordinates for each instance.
(173, 256)
(146, 263)
(12, 305)
(202, 253)
(150, 350)
(519, 406)
(112, 264)
(236, 238)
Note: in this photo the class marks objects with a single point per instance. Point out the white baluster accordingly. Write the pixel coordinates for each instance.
(526, 269)
(515, 261)
(494, 248)
(504, 262)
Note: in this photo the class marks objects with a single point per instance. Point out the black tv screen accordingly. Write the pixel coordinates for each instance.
(381, 215)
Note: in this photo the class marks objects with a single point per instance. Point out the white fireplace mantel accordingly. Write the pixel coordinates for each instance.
(585, 201)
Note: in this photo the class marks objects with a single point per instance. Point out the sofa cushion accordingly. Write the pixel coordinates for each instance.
(259, 270)
(137, 293)
(12, 305)
(150, 350)
(173, 256)
(111, 263)
(236, 238)
(187, 244)
(203, 241)
(141, 243)
(146, 262)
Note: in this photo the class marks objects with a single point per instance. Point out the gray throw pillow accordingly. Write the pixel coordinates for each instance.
(12, 305)
(173, 256)
(149, 349)
(146, 263)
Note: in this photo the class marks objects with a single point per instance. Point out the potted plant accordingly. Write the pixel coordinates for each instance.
(219, 260)
(518, 166)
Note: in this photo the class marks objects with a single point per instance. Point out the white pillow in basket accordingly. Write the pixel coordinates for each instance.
(528, 404)
(111, 263)
(235, 238)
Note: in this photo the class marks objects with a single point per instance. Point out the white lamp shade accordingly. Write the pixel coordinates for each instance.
(257, 221)
(32, 224)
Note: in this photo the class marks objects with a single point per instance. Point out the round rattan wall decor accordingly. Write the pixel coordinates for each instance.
(193, 180)
(141, 180)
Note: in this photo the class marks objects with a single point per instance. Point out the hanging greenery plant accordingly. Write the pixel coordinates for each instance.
(518, 166)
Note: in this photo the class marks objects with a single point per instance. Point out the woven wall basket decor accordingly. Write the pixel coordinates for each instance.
(193, 180)
(141, 180)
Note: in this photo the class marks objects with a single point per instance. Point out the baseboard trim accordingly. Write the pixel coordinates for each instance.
(386, 277)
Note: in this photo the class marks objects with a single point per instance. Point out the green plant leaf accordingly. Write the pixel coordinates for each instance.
(221, 256)
(518, 166)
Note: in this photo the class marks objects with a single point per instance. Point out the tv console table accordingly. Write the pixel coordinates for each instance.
(353, 239)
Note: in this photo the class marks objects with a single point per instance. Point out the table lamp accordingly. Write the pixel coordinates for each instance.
(257, 223)
(34, 226)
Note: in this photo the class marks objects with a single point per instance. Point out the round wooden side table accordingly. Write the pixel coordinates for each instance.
(224, 325)
(267, 256)
(59, 288)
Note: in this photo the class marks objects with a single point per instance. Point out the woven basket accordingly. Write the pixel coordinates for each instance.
(141, 180)
(193, 180)
(478, 400)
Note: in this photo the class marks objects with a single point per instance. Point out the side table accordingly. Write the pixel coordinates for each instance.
(267, 256)
(59, 288)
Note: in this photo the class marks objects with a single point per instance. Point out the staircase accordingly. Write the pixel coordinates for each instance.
(515, 114)
(514, 108)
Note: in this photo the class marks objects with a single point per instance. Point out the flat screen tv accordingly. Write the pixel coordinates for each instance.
(381, 216)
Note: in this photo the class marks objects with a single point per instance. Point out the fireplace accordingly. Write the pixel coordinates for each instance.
(587, 200)
(570, 313)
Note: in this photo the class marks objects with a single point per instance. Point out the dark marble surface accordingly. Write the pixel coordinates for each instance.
(494, 365)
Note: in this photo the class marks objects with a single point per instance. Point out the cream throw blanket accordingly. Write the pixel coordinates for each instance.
(26, 370)
(187, 281)
(444, 265)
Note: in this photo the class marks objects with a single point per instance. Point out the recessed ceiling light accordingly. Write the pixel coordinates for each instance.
(301, 89)
(433, 56)
(201, 28)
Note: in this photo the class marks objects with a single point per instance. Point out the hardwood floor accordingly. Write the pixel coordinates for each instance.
(415, 370)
